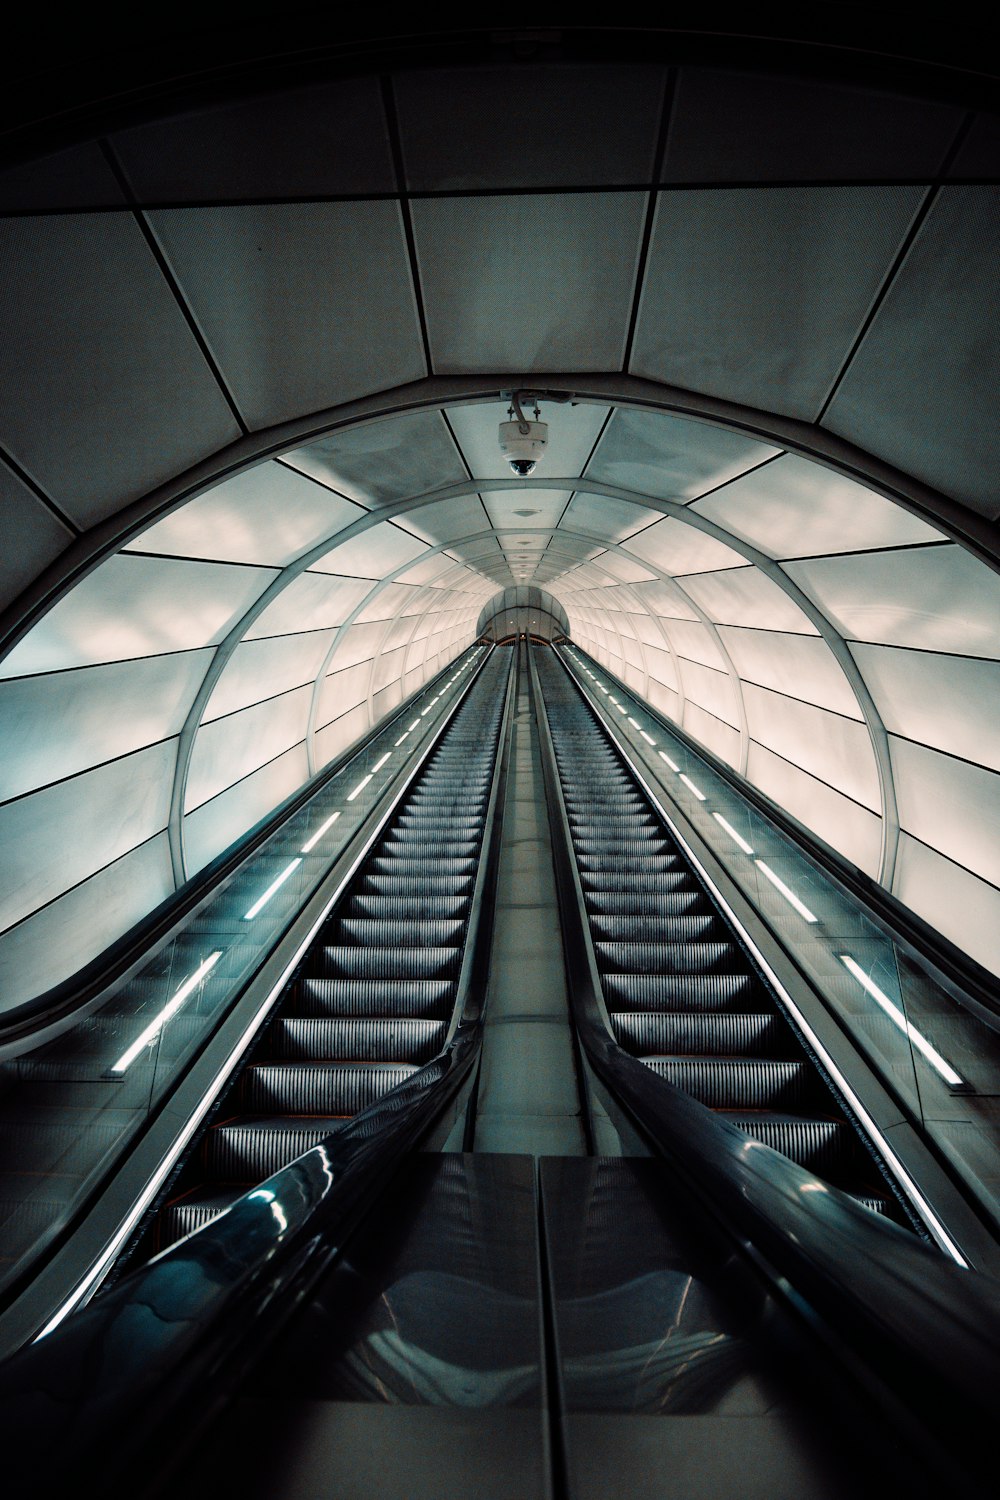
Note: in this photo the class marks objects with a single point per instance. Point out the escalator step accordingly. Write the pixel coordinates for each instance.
(623, 863)
(820, 1145)
(726, 1034)
(390, 883)
(353, 962)
(363, 997)
(691, 928)
(736, 1082)
(193, 1212)
(637, 842)
(450, 866)
(695, 992)
(420, 906)
(372, 932)
(665, 958)
(248, 1150)
(361, 1039)
(320, 1088)
(649, 902)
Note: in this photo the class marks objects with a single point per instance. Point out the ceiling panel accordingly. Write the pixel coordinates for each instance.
(525, 508)
(946, 701)
(304, 305)
(721, 739)
(852, 830)
(565, 263)
(836, 750)
(217, 824)
(255, 149)
(800, 665)
(435, 570)
(612, 519)
(313, 601)
(745, 596)
(78, 177)
(138, 606)
(103, 713)
(921, 390)
(33, 537)
(950, 805)
(965, 909)
(260, 669)
(677, 548)
(795, 508)
(228, 749)
(666, 600)
(670, 458)
(573, 431)
(372, 554)
(55, 838)
(933, 598)
(344, 731)
(625, 569)
(696, 642)
(712, 691)
(266, 515)
(730, 126)
(381, 462)
(492, 127)
(95, 348)
(757, 296)
(446, 520)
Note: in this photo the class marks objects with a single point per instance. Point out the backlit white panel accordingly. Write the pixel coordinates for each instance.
(446, 520)
(357, 643)
(228, 749)
(138, 606)
(835, 750)
(394, 600)
(852, 830)
(795, 508)
(745, 596)
(696, 642)
(624, 568)
(646, 628)
(720, 738)
(215, 825)
(661, 668)
(335, 738)
(388, 667)
(709, 690)
(378, 462)
(679, 549)
(101, 713)
(572, 258)
(671, 458)
(341, 691)
(259, 669)
(326, 310)
(512, 508)
(950, 805)
(384, 702)
(801, 666)
(430, 570)
(664, 599)
(965, 909)
(936, 598)
(613, 519)
(313, 601)
(664, 699)
(946, 701)
(55, 838)
(57, 941)
(372, 554)
(269, 514)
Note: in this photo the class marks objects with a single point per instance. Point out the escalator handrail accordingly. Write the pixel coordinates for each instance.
(927, 1329)
(99, 1393)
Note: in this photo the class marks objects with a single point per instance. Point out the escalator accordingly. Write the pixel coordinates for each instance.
(449, 1322)
(373, 999)
(681, 992)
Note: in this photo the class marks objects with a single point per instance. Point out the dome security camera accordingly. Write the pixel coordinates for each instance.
(522, 444)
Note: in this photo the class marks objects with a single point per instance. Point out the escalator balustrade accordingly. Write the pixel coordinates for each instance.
(682, 993)
(372, 1000)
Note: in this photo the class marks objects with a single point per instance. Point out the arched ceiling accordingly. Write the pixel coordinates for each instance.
(253, 368)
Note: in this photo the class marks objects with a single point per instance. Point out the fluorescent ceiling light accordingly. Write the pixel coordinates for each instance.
(647, 737)
(380, 763)
(311, 843)
(790, 896)
(402, 737)
(360, 786)
(691, 786)
(274, 886)
(895, 1015)
(736, 837)
(171, 1008)
(664, 756)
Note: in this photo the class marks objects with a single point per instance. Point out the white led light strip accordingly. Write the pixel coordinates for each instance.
(895, 1015)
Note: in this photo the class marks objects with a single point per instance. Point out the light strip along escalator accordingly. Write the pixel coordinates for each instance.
(681, 991)
(373, 999)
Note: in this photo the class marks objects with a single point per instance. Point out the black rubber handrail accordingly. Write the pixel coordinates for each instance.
(133, 1375)
(920, 1331)
(964, 980)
